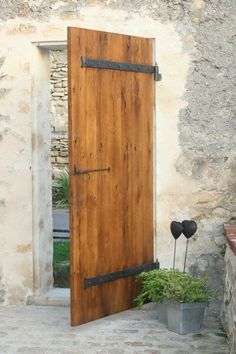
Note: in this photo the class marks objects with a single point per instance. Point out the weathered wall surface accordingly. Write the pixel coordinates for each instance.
(195, 125)
(228, 313)
(229, 298)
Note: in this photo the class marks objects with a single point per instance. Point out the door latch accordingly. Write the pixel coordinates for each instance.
(80, 171)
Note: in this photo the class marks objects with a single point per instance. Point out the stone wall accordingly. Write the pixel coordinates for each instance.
(229, 303)
(195, 125)
(59, 153)
(59, 111)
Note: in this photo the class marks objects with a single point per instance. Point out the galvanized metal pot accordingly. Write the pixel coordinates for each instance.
(162, 312)
(185, 318)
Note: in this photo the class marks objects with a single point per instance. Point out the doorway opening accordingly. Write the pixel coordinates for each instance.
(59, 162)
(47, 161)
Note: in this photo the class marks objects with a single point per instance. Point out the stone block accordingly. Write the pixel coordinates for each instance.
(57, 94)
(53, 81)
(57, 74)
(58, 84)
(54, 153)
(62, 160)
(59, 110)
(205, 197)
(58, 89)
(61, 127)
(230, 230)
(63, 154)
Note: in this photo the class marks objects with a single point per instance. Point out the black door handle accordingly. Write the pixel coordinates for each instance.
(80, 171)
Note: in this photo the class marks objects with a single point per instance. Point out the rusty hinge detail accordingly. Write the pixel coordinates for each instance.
(114, 65)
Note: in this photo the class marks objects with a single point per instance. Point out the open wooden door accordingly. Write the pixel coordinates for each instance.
(111, 169)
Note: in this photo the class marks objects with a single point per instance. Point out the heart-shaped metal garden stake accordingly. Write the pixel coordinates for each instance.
(189, 229)
(176, 229)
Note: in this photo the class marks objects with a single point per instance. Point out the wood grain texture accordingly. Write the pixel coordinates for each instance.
(110, 125)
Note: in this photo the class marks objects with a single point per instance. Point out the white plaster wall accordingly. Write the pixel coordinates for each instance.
(22, 220)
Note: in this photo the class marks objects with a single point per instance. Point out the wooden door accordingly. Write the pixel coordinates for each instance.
(110, 130)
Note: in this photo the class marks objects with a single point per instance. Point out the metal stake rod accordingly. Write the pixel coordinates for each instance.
(186, 251)
(174, 255)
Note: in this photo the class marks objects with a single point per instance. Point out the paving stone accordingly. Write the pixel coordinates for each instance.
(47, 330)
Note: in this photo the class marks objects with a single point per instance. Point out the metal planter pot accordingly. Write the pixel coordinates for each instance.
(185, 318)
(162, 312)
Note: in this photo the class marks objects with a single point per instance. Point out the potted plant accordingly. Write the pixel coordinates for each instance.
(182, 299)
(153, 284)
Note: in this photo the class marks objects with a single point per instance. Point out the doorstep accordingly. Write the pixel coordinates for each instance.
(54, 297)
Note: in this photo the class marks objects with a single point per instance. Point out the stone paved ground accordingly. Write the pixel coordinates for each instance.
(46, 330)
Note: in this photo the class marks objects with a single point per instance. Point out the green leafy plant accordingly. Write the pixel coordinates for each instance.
(61, 190)
(153, 284)
(61, 264)
(161, 284)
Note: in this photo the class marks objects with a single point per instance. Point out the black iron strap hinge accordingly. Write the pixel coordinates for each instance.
(114, 65)
(128, 272)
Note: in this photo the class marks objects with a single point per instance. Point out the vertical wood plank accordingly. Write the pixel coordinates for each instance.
(75, 93)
